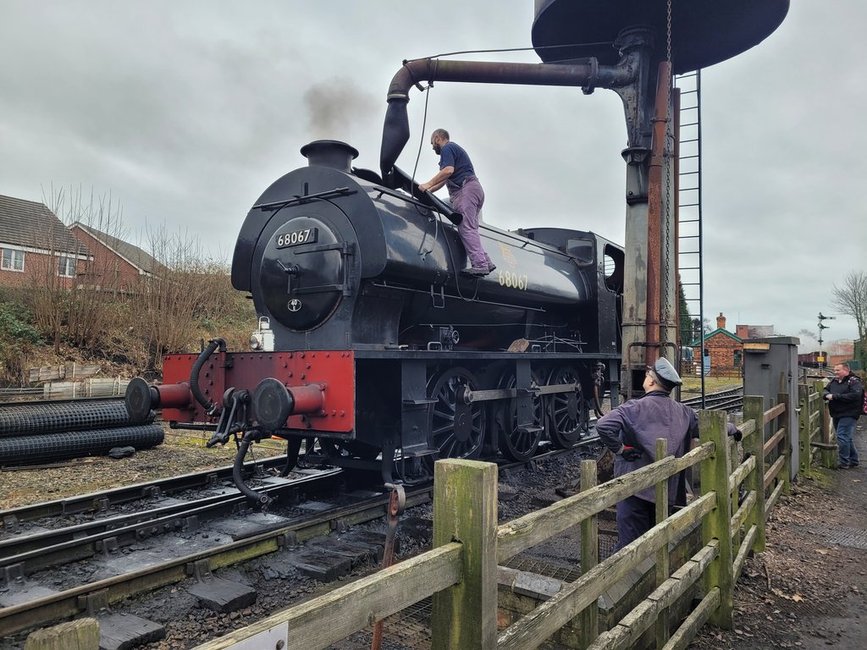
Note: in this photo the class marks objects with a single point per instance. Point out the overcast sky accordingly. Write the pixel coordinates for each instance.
(185, 111)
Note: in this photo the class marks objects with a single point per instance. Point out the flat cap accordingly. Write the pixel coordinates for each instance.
(666, 374)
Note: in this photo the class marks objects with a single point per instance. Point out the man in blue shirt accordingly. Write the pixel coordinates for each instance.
(466, 194)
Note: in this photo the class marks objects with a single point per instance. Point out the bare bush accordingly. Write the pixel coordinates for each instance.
(188, 301)
(73, 308)
(166, 302)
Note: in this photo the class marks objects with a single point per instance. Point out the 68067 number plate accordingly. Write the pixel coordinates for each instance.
(297, 237)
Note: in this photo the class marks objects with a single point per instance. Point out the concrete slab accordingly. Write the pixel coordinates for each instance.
(23, 592)
(155, 551)
(356, 552)
(223, 595)
(249, 526)
(315, 506)
(122, 631)
(322, 566)
(376, 540)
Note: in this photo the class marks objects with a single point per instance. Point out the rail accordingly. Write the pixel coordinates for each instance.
(720, 527)
(731, 399)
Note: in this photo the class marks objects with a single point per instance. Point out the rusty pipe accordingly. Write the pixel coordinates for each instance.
(654, 214)
(585, 72)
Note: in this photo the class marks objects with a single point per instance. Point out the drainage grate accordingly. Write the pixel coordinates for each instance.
(522, 562)
(851, 537)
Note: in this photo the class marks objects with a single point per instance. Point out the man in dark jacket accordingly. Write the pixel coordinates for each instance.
(631, 430)
(845, 397)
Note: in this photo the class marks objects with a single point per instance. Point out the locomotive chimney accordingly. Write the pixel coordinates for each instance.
(330, 153)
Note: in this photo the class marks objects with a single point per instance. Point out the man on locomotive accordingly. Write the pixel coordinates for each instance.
(466, 194)
(631, 430)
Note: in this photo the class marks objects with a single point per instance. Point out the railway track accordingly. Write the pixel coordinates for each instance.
(125, 554)
(724, 400)
(211, 536)
(103, 503)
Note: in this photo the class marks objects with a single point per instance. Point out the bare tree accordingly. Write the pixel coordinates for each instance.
(68, 305)
(186, 300)
(851, 299)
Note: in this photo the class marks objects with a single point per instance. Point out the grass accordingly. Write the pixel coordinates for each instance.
(692, 385)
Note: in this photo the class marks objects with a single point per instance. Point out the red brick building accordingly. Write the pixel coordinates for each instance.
(116, 265)
(36, 249)
(724, 349)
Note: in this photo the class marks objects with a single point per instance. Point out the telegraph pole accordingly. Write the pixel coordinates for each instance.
(821, 358)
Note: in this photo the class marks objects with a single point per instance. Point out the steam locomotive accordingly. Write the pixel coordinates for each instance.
(376, 351)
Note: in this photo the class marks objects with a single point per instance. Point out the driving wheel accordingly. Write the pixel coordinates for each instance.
(518, 443)
(455, 428)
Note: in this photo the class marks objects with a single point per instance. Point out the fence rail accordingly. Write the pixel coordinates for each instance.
(726, 520)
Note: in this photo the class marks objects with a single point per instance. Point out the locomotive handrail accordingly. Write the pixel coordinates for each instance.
(298, 200)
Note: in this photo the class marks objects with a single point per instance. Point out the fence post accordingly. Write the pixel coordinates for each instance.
(830, 455)
(804, 427)
(465, 510)
(589, 555)
(789, 438)
(663, 570)
(717, 524)
(754, 444)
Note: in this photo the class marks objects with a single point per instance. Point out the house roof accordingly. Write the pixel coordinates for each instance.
(720, 330)
(132, 254)
(32, 224)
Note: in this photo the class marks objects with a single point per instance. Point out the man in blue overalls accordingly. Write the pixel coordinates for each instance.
(631, 430)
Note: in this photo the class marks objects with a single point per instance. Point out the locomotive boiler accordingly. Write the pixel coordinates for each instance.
(376, 351)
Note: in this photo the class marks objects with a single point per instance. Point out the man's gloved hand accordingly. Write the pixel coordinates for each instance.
(630, 453)
(734, 432)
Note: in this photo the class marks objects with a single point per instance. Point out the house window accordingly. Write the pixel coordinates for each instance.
(66, 267)
(12, 260)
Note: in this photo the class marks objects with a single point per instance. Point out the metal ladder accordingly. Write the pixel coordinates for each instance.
(689, 244)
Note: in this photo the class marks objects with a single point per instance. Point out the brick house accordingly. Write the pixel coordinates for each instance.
(116, 265)
(36, 249)
(725, 350)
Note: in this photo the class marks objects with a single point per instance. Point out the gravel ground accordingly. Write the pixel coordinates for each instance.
(808, 589)
(181, 453)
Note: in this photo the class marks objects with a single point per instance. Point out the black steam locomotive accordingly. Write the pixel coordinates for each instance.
(374, 348)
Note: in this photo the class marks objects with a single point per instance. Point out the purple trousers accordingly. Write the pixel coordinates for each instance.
(634, 518)
(468, 200)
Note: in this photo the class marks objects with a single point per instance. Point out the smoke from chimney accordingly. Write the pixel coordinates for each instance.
(335, 105)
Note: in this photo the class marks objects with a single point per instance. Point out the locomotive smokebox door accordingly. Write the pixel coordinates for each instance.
(302, 273)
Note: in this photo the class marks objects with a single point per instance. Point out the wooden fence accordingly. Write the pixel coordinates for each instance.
(814, 431)
(727, 519)
(69, 371)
